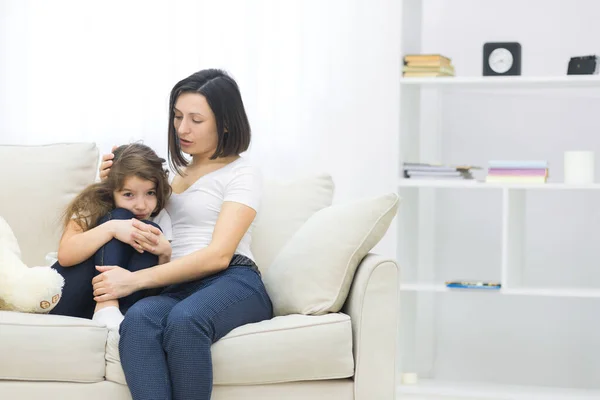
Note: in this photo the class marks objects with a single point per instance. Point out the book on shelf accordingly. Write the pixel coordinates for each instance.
(435, 174)
(517, 172)
(427, 65)
(474, 285)
(519, 164)
(437, 171)
(449, 70)
(431, 58)
(523, 171)
(515, 179)
(424, 74)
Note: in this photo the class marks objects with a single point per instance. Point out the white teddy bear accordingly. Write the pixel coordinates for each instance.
(24, 289)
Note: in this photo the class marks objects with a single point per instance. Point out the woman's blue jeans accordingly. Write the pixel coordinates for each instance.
(166, 340)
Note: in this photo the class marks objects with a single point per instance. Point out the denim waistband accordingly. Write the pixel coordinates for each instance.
(239, 260)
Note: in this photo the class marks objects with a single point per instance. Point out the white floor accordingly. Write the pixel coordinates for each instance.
(434, 390)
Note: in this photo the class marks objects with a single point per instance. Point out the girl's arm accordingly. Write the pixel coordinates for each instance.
(232, 224)
(77, 246)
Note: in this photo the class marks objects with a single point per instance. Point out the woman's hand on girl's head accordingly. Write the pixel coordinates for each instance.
(106, 163)
(113, 283)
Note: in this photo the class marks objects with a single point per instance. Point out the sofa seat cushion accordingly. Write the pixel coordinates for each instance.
(51, 348)
(284, 349)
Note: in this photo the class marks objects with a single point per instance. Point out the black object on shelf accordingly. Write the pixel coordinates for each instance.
(501, 58)
(584, 65)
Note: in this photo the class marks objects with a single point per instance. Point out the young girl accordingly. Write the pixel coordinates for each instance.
(109, 224)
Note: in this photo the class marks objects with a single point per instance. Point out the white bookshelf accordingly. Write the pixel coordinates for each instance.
(421, 135)
(504, 82)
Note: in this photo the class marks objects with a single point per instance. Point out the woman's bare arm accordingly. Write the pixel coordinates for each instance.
(234, 220)
(232, 224)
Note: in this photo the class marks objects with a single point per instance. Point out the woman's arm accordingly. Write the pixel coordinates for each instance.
(232, 224)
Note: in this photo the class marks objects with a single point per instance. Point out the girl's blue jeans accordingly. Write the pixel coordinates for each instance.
(77, 296)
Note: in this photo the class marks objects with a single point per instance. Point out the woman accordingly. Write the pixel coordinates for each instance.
(212, 283)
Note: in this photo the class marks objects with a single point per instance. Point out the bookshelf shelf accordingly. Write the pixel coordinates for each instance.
(474, 184)
(439, 324)
(524, 291)
(505, 82)
(435, 390)
(553, 292)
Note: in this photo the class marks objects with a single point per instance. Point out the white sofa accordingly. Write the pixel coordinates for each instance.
(342, 355)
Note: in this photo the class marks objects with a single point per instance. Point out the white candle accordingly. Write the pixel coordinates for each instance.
(579, 167)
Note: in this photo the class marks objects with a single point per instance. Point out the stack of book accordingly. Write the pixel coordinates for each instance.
(427, 65)
(435, 171)
(517, 172)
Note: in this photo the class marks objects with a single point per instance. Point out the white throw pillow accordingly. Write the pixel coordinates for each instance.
(313, 272)
(286, 206)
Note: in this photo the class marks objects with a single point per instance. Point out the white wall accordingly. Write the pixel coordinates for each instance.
(518, 339)
(319, 78)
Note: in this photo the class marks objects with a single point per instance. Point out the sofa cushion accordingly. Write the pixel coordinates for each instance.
(283, 349)
(57, 172)
(313, 272)
(8, 239)
(51, 348)
(285, 208)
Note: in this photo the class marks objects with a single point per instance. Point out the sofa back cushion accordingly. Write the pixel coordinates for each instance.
(37, 184)
(285, 207)
(8, 241)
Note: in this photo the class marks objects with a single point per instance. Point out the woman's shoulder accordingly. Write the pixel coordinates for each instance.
(244, 184)
(244, 165)
(245, 171)
(172, 175)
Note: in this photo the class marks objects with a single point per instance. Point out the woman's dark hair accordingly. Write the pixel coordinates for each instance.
(97, 200)
(223, 96)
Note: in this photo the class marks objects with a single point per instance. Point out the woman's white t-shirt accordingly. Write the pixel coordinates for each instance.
(194, 212)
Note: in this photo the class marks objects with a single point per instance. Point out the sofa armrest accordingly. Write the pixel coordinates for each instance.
(373, 306)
